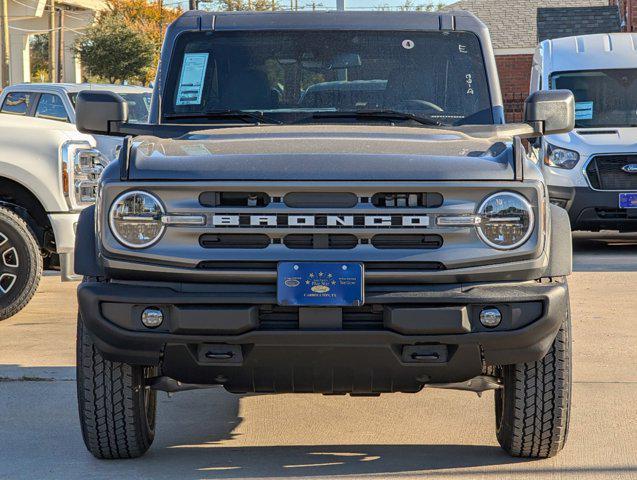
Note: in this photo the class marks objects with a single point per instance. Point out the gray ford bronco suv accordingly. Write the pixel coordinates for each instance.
(324, 203)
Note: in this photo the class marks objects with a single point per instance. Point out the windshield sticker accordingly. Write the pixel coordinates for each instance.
(408, 44)
(193, 73)
(584, 110)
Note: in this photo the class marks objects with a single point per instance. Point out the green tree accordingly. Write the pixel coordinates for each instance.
(148, 17)
(111, 49)
(39, 54)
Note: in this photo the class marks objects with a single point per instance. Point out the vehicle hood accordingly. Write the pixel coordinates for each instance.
(590, 141)
(330, 152)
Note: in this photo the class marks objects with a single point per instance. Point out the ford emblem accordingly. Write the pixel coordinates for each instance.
(630, 168)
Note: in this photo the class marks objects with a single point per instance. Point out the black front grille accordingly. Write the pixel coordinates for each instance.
(605, 172)
(320, 242)
(407, 200)
(396, 242)
(369, 266)
(274, 317)
(234, 199)
(230, 240)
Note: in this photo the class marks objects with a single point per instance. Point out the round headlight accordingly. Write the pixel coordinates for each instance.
(506, 220)
(135, 219)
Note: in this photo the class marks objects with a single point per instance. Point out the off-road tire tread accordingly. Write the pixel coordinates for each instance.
(109, 395)
(539, 404)
(34, 273)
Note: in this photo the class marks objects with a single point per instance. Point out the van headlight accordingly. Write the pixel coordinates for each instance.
(135, 219)
(506, 220)
(82, 167)
(560, 157)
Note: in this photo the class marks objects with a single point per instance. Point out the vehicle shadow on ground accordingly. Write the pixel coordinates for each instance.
(604, 252)
(194, 428)
(198, 438)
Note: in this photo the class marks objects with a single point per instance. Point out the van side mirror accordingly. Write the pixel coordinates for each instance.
(96, 112)
(550, 111)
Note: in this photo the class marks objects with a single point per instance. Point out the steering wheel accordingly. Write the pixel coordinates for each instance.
(415, 104)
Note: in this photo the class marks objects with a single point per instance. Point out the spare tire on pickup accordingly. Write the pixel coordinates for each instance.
(20, 264)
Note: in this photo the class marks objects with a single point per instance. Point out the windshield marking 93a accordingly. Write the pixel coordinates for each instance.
(290, 76)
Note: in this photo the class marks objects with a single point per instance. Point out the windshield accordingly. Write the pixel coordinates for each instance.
(295, 74)
(603, 98)
(138, 105)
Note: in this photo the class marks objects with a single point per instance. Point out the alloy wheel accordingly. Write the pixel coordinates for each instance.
(9, 264)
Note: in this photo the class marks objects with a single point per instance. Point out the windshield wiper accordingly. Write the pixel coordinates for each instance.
(248, 117)
(381, 114)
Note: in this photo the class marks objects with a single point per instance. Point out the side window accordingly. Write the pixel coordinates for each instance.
(16, 103)
(51, 107)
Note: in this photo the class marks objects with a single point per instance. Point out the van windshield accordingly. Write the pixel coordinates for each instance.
(603, 98)
(291, 75)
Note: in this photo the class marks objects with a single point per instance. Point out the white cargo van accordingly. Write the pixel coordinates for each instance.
(592, 171)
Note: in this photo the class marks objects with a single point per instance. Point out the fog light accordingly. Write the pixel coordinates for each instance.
(152, 317)
(490, 317)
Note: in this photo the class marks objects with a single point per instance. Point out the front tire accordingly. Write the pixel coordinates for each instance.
(117, 410)
(20, 264)
(532, 409)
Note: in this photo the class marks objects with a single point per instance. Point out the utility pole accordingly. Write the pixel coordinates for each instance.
(6, 50)
(340, 5)
(52, 43)
(60, 45)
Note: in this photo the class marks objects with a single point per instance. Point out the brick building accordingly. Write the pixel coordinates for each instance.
(517, 26)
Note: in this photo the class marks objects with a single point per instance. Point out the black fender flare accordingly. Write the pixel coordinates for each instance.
(560, 244)
(86, 260)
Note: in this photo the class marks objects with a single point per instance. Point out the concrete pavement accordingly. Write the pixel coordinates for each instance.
(436, 434)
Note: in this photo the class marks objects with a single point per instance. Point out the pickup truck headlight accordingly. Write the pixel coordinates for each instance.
(560, 157)
(506, 220)
(81, 170)
(135, 219)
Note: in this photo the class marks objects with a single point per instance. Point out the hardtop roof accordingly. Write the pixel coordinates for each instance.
(332, 20)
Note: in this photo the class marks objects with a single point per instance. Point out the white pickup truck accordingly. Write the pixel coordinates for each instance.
(48, 174)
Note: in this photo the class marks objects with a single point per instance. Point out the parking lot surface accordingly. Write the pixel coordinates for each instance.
(434, 434)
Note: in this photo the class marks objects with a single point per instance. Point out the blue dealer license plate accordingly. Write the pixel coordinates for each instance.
(628, 200)
(318, 284)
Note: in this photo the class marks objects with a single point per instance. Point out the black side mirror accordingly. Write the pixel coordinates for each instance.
(97, 111)
(550, 111)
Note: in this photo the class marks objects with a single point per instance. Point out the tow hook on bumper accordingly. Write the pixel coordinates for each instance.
(478, 385)
(170, 385)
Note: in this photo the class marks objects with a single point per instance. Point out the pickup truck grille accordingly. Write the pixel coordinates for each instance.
(605, 172)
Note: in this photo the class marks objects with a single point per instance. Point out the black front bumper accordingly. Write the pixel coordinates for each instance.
(404, 337)
(594, 210)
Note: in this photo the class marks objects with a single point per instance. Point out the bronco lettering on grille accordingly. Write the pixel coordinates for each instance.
(318, 221)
